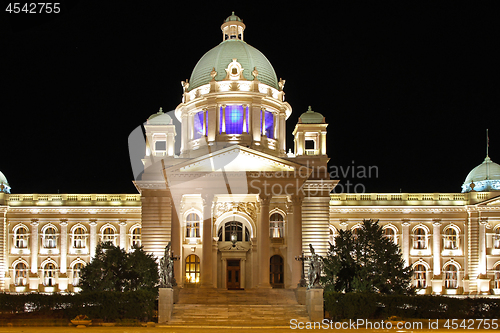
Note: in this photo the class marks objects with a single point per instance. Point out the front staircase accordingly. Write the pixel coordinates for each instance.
(251, 307)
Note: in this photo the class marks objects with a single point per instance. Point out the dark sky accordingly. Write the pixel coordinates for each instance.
(407, 88)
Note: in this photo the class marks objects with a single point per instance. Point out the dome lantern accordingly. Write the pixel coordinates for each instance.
(232, 28)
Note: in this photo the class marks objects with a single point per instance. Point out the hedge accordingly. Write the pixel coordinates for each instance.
(377, 306)
(107, 306)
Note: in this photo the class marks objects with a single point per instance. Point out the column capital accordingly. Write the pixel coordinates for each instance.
(297, 199)
(34, 222)
(93, 222)
(436, 222)
(265, 200)
(63, 222)
(122, 222)
(405, 222)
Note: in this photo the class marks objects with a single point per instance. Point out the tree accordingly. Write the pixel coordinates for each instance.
(112, 269)
(368, 262)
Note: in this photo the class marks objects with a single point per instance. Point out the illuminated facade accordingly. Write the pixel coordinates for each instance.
(237, 207)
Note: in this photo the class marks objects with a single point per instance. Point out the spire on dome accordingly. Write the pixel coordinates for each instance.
(232, 28)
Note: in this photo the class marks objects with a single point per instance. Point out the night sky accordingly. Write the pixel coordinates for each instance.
(409, 88)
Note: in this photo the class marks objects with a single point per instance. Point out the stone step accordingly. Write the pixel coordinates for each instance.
(250, 307)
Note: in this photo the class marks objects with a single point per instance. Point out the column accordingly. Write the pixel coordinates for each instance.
(176, 239)
(34, 246)
(123, 234)
(223, 119)
(294, 249)
(482, 248)
(436, 247)
(243, 130)
(255, 121)
(93, 237)
(406, 241)
(206, 261)
(64, 245)
(282, 144)
(184, 133)
(264, 243)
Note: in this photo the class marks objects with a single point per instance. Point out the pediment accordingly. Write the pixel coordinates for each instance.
(237, 159)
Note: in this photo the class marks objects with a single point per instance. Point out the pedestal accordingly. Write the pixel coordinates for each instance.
(300, 293)
(314, 304)
(165, 304)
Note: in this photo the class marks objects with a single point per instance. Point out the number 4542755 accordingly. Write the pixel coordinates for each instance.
(33, 7)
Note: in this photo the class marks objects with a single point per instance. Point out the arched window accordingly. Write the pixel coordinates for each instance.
(235, 228)
(450, 277)
(276, 226)
(49, 238)
(390, 234)
(79, 238)
(20, 274)
(420, 276)
(49, 274)
(108, 235)
(76, 273)
(21, 237)
(450, 238)
(193, 226)
(136, 237)
(192, 269)
(419, 239)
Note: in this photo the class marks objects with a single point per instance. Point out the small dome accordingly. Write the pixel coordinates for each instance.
(486, 177)
(233, 17)
(311, 117)
(4, 184)
(159, 118)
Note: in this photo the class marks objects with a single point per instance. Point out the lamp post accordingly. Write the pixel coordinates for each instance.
(303, 258)
(233, 235)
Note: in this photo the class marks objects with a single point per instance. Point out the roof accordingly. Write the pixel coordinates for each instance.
(4, 184)
(311, 117)
(223, 54)
(159, 118)
(487, 172)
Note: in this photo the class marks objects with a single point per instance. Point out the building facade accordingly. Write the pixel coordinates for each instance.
(237, 207)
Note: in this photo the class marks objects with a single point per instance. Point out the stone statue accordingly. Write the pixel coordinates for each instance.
(167, 279)
(315, 267)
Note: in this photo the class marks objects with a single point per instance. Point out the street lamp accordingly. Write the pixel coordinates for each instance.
(302, 257)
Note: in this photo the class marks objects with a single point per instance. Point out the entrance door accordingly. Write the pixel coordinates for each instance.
(276, 272)
(233, 274)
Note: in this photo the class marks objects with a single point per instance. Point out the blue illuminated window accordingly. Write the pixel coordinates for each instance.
(233, 116)
(269, 126)
(198, 125)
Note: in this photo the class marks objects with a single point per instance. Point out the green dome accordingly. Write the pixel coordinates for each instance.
(159, 118)
(223, 54)
(486, 177)
(311, 117)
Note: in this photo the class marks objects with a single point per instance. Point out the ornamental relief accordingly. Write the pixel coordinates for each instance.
(249, 208)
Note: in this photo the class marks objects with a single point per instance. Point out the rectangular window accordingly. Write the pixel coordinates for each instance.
(269, 124)
(233, 117)
(198, 125)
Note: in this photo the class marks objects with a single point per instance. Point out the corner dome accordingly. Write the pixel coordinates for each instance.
(311, 117)
(4, 184)
(485, 177)
(159, 118)
(223, 54)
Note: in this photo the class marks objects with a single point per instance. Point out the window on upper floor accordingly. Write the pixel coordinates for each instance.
(108, 235)
(420, 238)
(496, 279)
(21, 236)
(79, 238)
(136, 237)
(77, 273)
(450, 238)
(390, 234)
(276, 226)
(49, 238)
(193, 226)
(233, 228)
(496, 238)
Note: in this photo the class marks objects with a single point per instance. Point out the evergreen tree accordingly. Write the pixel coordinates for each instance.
(112, 269)
(366, 262)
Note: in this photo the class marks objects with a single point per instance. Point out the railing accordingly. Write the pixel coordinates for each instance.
(73, 199)
(406, 198)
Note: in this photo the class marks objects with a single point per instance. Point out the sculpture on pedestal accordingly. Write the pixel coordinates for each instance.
(167, 279)
(315, 267)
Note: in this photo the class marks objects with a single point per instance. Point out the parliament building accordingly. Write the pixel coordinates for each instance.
(238, 206)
